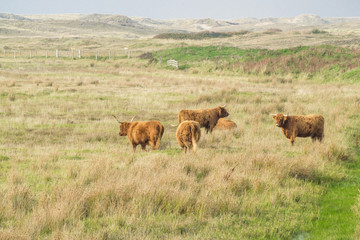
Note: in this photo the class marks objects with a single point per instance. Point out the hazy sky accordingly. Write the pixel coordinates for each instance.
(167, 9)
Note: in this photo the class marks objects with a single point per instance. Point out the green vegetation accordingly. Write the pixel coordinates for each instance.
(199, 35)
(327, 63)
(337, 219)
(317, 31)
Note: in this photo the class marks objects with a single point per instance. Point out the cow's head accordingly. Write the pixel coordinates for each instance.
(124, 126)
(280, 119)
(222, 112)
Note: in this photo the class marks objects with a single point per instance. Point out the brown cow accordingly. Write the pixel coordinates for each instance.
(207, 118)
(142, 133)
(301, 126)
(225, 124)
(188, 134)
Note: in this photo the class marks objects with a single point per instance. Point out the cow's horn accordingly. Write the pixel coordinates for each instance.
(223, 106)
(273, 114)
(173, 125)
(116, 119)
(132, 118)
(285, 115)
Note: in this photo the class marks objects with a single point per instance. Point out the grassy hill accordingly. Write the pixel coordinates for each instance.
(328, 63)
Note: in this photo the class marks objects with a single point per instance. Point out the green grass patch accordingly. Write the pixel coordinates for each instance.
(199, 35)
(171, 151)
(337, 219)
(353, 74)
(3, 158)
(325, 62)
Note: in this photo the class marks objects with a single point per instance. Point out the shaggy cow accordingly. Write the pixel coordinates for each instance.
(142, 133)
(207, 118)
(188, 134)
(301, 126)
(224, 124)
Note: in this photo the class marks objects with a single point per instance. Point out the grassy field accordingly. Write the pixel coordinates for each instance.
(66, 174)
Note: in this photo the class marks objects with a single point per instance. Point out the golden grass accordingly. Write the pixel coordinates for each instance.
(66, 174)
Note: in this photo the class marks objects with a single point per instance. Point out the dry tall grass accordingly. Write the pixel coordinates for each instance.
(65, 173)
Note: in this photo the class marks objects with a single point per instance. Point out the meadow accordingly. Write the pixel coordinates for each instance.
(65, 173)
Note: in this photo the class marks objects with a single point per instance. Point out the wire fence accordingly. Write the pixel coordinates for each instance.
(71, 53)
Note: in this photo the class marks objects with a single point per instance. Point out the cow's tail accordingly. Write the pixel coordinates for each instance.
(194, 132)
(160, 132)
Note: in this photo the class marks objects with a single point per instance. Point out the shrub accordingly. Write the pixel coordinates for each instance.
(317, 31)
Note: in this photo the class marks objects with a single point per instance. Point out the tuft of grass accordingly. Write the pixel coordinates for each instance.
(11, 96)
(4, 158)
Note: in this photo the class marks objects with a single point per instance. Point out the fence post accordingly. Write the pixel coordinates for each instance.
(57, 53)
(79, 53)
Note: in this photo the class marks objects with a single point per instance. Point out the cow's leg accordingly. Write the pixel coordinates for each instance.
(292, 137)
(320, 137)
(134, 147)
(292, 140)
(143, 147)
(156, 143)
(185, 148)
(313, 138)
(151, 142)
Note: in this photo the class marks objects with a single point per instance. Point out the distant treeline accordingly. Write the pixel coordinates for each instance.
(200, 35)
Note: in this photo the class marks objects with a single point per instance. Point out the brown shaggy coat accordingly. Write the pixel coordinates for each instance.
(224, 124)
(207, 118)
(301, 126)
(143, 133)
(188, 134)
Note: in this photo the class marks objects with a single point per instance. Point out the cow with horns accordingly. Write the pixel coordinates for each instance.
(300, 126)
(207, 118)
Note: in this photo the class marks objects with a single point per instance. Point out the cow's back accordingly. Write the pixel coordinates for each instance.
(142, 131)
(224, 124)
(308, 125)
(199, 116)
